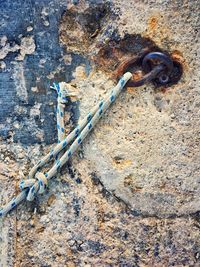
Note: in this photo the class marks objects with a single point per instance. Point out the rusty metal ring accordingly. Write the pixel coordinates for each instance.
(159, 58)
(124, 66)
(161, 69)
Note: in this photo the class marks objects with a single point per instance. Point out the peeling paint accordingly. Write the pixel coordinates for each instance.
(26, 47)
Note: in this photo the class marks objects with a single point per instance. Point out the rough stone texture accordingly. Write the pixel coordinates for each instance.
(130, 196)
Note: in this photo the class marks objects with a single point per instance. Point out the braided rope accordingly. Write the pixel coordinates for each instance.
(37, 181)
(61, 101)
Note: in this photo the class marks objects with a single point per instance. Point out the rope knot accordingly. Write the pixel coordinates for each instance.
(35, 186)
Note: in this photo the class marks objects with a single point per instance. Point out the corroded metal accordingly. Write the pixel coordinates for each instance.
(154, 65)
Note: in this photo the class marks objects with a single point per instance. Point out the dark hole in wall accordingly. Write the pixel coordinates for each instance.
(176, 74)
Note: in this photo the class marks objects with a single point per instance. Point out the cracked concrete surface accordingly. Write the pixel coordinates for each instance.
(130, 195)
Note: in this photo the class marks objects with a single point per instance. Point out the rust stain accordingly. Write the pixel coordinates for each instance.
(113, 54)
(131, 91)
(157, 29)
(177, 56)
(153, 23)
(164, 89)
(109, 54)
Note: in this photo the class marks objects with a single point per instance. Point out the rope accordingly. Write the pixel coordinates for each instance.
(61, 101)
(37, 181)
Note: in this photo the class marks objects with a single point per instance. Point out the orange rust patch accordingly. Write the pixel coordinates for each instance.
(178, 57)
(132, 90)
(153, 22)
(157, 29)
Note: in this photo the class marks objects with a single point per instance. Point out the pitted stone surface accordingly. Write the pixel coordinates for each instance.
(130, 195)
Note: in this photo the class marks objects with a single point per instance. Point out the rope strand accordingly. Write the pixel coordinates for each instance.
(37, 181)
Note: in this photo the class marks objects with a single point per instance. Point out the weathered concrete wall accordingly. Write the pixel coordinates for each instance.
(130, 196)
